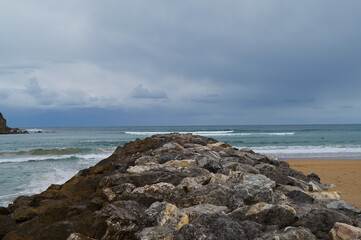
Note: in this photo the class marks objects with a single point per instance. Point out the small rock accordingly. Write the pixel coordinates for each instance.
(157, 188)
(110, 195)
(293, 233)
(342, 205)
(156, 233)
(164, 214)
(186, 163)
(325, 195)
(300, 197)
(23, 213)
(195, 211)
(138, 169)
(314, 176)
(78, 236)
(341, 231)
(317, 186)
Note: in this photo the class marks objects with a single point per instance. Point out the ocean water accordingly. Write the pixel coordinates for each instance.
(30, 163)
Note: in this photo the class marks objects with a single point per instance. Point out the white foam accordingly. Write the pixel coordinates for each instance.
(328, 151)
(266, 134)
(41, 182)
(217, 133)
(90, 156)
(34, 130)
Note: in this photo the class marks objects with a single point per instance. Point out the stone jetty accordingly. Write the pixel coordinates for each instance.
(181, 186)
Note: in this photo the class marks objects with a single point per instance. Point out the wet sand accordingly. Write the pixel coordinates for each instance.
(345, 174)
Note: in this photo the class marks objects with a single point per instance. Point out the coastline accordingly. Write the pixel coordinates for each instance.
(345, 174)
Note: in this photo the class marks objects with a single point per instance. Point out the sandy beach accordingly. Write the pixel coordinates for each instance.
(345, 174)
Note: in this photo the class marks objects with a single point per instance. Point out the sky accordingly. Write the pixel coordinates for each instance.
(203, 62)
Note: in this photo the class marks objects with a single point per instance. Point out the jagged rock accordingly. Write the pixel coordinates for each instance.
(325, 195)
(23, 213)
(292, 233)
(120, 219)
(215, 194)
(342, 231)
(342, 205)
(300, 197)
(110, 195)
(212, 226)
(314, 176)
(78, 236)
(320, 221)
(197, 210)
(164, 214)
(156, 233)
(254, 188)
(269, 214)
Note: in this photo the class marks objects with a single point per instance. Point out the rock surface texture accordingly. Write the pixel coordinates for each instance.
(180, 186)
(4, 129)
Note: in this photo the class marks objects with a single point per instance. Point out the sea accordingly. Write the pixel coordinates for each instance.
(30, 163)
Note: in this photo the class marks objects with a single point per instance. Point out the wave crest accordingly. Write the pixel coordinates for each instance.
(217, 133)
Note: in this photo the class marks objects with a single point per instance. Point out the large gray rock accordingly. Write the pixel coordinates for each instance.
(269, 214)
(320, 221)
(291, 233)
(212, 227)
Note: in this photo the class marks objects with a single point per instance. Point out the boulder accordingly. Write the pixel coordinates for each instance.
(269, 214)
(212, 226)
(300, 197)
(320, 221)
(292, 233)
(23, 213)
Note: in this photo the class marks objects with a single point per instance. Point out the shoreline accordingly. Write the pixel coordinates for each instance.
(345, 174)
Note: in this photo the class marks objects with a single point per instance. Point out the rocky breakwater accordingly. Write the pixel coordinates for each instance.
(182, 187)
(4, 129)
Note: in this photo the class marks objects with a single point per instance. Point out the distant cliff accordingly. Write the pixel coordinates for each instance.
(4, 129)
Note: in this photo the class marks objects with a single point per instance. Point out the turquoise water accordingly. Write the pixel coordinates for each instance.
(30, 163)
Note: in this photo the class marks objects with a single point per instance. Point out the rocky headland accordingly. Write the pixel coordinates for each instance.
(183, 187)
(4, 129)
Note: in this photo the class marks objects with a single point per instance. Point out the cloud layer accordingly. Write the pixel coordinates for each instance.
(186, 62)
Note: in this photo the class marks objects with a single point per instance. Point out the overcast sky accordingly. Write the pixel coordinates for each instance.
(87, 62)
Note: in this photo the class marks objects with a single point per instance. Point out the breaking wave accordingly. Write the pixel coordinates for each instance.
(217, 133)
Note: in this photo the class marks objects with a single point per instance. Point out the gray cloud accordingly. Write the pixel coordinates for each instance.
(209, 59)
(142, 92)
